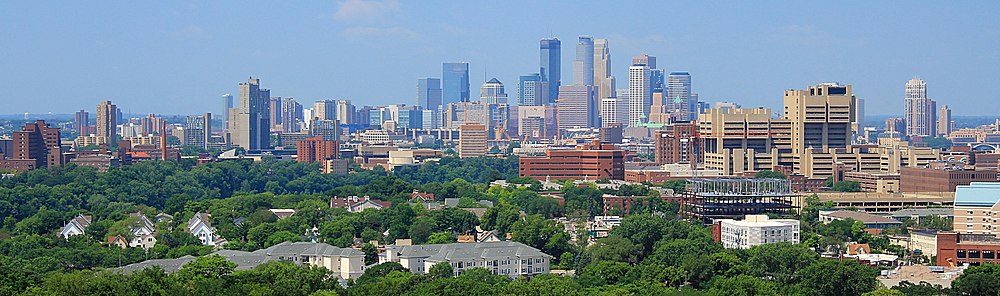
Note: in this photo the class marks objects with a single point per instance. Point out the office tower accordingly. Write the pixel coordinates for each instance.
(119, 118)
(603, 79)
(307, 118)
(656, 83)
(919, 109)
(678, 99)
(583, 65)
(227, 102)
(678, 143)
(614, 110)
(531, 90)
(859, 116)
(326, 129)
(492, 92)
(250, 121)
(454, 83)
(658, 111)
(577, 107)
(550, 67)
(325, 110)
(644, 59)
(895, 124)
(830, 128)
(36, 145)
(198, 130)
(316, 149)
(431, 119)
(537, 122)
(456, 114)
(149, 125)
(345, 112)
(945, 125)
(291, 115)
(274, 107)
(429, 93)
(107, 119)
(639, 93)
(471, 140)
(82, 123)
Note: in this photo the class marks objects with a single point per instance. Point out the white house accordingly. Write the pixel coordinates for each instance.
(356, 204)
(76, 226)
(507, 258)
(143, 233)
(200, 227)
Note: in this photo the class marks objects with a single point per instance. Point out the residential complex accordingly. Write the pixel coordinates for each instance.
(755, 230)
(505, 258)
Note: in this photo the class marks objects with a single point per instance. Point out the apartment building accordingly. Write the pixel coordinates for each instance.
(755, 230)
(506, 258)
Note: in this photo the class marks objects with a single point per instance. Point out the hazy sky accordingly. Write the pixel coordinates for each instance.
(179, 57)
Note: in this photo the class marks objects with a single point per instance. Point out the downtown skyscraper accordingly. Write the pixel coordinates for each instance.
(429, 93)
(550, 65)
(640, 90)
(583, 65)
(455, 83)
(250, 120)
(920, 111)
(531, 90)
(107, 120)
(603, 79)
(681, 105)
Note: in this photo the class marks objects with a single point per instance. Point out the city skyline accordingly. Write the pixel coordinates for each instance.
(196, 55)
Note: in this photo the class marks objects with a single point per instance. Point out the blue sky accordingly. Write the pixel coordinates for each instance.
(178, 57)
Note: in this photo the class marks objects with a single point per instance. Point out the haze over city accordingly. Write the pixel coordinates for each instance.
(179, 57)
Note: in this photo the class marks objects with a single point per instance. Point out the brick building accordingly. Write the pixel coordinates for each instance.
(316, 149)
(941, 179)
(678, 143)
(36, 146)
(589, 161)
(955, 249)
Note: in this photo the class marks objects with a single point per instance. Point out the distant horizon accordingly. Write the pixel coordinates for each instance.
(180, 57)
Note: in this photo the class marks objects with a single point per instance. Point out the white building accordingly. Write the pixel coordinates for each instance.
(614, 111)
(76, 226)
(639, 95)
(200, 227)
(143, 233)
(756, 230)
(507, 258)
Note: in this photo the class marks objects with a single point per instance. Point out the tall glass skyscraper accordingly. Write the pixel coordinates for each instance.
(455, 82)
(678, 99)
(429, 93)
(551, 63)
(531, 90)
(583, 65)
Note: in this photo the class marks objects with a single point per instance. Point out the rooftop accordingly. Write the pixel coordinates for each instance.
(249, 260)
(469, 251)
(860, 216)
(978, 194)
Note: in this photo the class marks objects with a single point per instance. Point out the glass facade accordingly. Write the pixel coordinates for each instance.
(455, 82)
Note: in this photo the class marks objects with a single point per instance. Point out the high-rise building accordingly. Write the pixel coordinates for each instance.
(639, 93)
(550, 67)
(316, 149)
(830, 127)
(274, 106)
(431, 119)
(532, 89)
(492, 92)
(36, 145)
(291, 115)
(614, 110)
(678, 99)
(577, 107)
(603, 79)
(944, 124)
(583, 65)
(326, 129)
(250, 121)
(537, 122)
(345, 112)
(678, 143)
(429, 93)
(325, 110)
(455, 83)
(644, 59)
(471, 140)
(227, 103)
(82, 123)
(456, 114)
(107, 120)
(198, 130)
(920, 117)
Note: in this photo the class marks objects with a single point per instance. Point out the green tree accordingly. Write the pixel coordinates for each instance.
(371, 253)
(742, 285)
(540, 233)
(769, 174)
(441, 270)
(978, 280)
(441, 238)
(884, 292)
(830, 277)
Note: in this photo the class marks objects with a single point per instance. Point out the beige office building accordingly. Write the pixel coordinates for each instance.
(471, 140)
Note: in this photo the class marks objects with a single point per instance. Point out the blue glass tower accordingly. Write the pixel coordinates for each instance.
(550, 68)
(531, 90)
(429, 93)
(455, 82)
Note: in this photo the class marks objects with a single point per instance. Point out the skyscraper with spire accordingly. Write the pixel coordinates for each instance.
(603, 79)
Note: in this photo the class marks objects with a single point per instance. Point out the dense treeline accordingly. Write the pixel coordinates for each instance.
(651, 253)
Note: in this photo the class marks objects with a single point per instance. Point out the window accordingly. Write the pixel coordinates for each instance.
(960, 254)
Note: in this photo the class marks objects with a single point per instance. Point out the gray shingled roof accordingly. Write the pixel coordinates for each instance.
(248, 260)
(470, 251)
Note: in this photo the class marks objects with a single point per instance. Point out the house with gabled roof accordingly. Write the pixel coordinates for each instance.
(143, 233)
(356, 204)
(418, 196)
(118, 241)
(200, 227)
(75, 226)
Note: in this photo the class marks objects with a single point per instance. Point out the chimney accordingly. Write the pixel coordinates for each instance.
(163, 140)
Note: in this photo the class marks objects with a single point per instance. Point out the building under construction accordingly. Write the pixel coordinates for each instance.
(709, 199)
